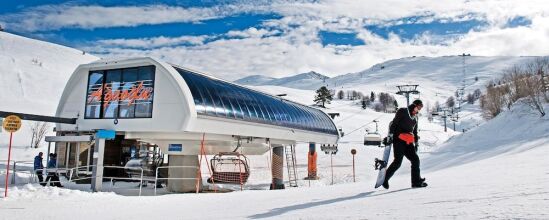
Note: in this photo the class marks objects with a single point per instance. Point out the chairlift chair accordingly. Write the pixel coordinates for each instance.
(373, 138)
(229, 168)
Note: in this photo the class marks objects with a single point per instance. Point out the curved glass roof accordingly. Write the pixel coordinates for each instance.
(225, 100)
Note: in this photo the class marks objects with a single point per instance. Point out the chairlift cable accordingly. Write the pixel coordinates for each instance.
(364, 125)
(356, 113)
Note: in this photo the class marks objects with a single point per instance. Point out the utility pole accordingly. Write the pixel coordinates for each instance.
(454, 119)
(461, 91)
(444, 116)
(406, 90)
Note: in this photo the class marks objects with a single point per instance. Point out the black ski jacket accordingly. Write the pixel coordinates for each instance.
(404, 123)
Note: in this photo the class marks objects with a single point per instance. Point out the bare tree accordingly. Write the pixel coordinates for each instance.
(378, 107)
(541, 66)
(476, 94)
(533, 88)
(470, 98)
(493, 101)
(38, 130)
(360, 95)
(450, 102)
(341, 94)
(436, 107)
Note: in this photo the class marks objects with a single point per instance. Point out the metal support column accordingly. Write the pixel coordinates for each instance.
(311, 163)
(277, 168)
(97, 170)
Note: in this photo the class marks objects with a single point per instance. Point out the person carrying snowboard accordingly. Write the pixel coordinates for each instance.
(405, 143)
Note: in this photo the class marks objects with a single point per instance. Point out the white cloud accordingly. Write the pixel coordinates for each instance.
(252, 32)
(54, 17)
(298, 50)
(353, 12)
(290, 45)
(153, 42)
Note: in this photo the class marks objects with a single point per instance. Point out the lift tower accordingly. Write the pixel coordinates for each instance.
(406, 90)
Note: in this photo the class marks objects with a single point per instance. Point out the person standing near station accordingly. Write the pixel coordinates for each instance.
(39, 168)
(52, 174)
(405, 143)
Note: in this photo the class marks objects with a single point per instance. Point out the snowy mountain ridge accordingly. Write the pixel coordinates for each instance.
(445, 73)
(300, 81)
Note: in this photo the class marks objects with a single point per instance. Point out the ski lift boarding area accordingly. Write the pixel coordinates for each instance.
(178, 115)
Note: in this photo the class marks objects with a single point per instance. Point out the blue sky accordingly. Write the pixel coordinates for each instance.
(277, 37)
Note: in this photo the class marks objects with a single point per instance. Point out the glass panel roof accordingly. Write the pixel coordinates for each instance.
(225, 100)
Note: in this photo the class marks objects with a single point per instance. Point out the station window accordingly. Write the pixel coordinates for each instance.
(120, 93)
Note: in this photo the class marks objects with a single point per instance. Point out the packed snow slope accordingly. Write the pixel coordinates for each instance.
(508, 183)
(33, 75)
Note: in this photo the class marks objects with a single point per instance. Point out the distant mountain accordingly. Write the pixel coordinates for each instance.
(254, 80)
(437, 76)
(300, 81)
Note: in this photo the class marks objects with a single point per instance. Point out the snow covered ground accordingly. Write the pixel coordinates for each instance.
(496, 169)
(483, 173)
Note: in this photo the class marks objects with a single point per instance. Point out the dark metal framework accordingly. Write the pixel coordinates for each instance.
(43, 118)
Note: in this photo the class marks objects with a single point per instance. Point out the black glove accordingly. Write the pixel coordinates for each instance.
(388, 140)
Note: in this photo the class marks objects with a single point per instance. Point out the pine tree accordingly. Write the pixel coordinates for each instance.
(323, 96)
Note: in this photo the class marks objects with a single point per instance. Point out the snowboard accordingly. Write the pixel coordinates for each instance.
(381, 164)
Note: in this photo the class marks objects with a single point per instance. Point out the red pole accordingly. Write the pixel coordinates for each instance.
(8, 167)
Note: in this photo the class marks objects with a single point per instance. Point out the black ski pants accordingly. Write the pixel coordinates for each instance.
(40, 177)
(401, 149)
(54, 178)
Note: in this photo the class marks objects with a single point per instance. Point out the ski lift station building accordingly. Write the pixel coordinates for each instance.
(179, 111)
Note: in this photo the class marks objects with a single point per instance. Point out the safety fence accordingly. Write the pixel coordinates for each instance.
(80, 177)
(156, 178)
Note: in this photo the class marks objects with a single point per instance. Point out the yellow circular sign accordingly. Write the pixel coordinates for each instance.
(12, 123)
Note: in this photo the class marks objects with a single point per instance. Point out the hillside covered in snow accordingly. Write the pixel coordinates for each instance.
(33, 75)
(34, 72)
(496, 169)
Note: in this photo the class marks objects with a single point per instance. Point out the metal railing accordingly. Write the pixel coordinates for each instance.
(48, 172)
(125, 178)
(156, 178)
(72, 174)
(75, 171)
(16, 169)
